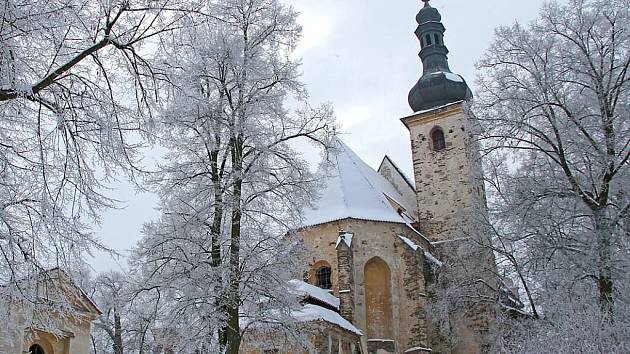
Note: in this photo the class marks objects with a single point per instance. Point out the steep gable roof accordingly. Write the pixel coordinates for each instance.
(352, 189)
(409, 181)
(61, 282)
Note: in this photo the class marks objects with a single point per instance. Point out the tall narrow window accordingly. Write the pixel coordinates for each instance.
(322, 278)
(428, 39)
(36, 349)
(437, 38)
(437, 137)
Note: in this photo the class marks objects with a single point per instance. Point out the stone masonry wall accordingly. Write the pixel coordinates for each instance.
(452, 207)
(377, 239)
(388, 170)
(324, 337)
(448, 182)
(345, 280)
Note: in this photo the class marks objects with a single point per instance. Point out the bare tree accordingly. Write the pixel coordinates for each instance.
(68, 120)
(131, 314)
(554, 100)
(233, 185)
(111, 293)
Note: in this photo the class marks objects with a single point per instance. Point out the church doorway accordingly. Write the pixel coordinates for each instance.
(378, 308)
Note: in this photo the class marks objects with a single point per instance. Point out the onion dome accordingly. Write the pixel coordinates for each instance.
(438, 86)
(428, 14)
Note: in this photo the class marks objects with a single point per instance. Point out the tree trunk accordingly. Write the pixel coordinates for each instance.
(233, 333)
(215, 232)
(215, 229)
(117, 345)
(604, 262)
(217, 173)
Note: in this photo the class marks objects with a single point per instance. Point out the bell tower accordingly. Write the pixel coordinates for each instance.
(450, 194)
(445, 157)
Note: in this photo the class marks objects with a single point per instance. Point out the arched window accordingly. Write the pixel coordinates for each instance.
(428, 39)
(437, 38)
(36, 349)
(323, 277)
(378, 299)
(437, 137)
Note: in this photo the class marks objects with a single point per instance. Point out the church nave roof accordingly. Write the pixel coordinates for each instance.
(352, 189)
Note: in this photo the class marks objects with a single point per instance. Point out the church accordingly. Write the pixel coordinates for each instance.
(377, 238)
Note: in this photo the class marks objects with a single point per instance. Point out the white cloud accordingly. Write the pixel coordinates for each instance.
(316, 29)
(353, 115)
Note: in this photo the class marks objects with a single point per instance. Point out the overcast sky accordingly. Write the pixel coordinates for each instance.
(362, 56)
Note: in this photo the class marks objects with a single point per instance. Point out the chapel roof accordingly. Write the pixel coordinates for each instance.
(56, 284)
(319, 305)
(352, 189)
(313, 293)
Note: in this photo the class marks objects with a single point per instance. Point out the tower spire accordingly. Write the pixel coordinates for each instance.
(438, 85)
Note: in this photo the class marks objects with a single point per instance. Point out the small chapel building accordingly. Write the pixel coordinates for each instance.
(67, 328)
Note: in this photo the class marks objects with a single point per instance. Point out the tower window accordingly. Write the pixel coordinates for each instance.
(322, 278)
(428, 39)
(36, 349)
(437, 38)
(437, 137)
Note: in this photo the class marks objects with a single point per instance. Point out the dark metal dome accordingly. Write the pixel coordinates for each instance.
(438, 85)
(438, 89)
(428, 14)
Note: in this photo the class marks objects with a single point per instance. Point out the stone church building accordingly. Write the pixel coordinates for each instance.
(378, 238)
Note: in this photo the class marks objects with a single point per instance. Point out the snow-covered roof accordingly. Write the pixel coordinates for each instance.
(418, 349)
(345, 238)
(306, 289)
(311, 312)
(433, 109)
(430, 257)
(409, 243)
(352, 189)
